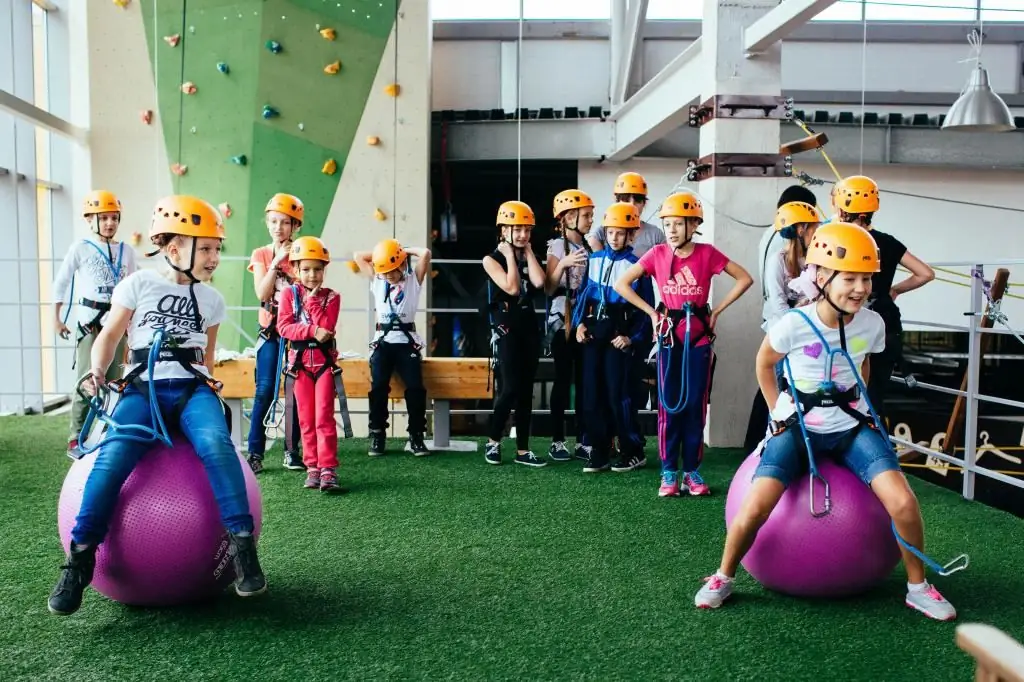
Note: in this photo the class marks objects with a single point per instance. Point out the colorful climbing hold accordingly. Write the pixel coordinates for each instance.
(173, 40)
(302, 126)
(223, 67)
(136, 238)
(240, 160)
(330, 167)
(328, 33)
(274, 46)
(179, 169)
(146, 115)
(122, 3)
(332, 68)
(393, 90)
(225, 209)
(373, 140)
(353, 266)
(270, 112)
(188, 87)
(379, 215)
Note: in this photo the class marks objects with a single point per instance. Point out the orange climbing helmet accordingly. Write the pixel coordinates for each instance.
(288, 204)
(100, 201)
(856, 194)
(630, 183)
(515, 213)
(186, 216)
(621, 214)
(844, 247)
(796, 212)
(388, 255)
(682, 205)
(570, 199)
(309, 248)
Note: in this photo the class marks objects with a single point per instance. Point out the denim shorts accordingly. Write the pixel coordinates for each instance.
(861, 449)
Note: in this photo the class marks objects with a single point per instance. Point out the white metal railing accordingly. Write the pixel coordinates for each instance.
(979, 301)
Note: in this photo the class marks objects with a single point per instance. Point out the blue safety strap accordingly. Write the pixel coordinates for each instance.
(665, 365)
(959, 563)
(115, 269)
(136, 433)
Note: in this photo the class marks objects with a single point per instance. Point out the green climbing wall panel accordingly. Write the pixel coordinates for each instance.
(317, 113)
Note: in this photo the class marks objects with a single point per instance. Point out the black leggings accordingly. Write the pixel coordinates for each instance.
(568, 361)
(403, 358)
(517, 355)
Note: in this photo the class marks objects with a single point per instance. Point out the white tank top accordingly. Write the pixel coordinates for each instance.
(396, 301)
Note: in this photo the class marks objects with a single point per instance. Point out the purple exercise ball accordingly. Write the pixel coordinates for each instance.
(166, 544)
(847, 552)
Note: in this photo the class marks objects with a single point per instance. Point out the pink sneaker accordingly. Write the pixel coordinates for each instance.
(695, 484)
(932, 604)
(669, 484)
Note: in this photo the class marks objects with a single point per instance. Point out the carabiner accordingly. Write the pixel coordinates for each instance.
(828, 496)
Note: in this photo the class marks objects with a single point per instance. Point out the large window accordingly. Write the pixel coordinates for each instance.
(1002, 10)
(469, 10)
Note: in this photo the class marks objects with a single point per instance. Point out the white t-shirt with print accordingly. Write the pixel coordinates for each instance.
(96, 268)
(400, 299)
(865, 334)
(160, 303)
(572, 278)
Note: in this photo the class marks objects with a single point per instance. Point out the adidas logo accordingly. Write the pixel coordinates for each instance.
(683, 284)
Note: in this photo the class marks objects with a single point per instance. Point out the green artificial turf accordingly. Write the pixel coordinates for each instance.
(446, 568)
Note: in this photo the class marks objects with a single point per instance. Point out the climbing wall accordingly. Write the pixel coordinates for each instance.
(261, 97)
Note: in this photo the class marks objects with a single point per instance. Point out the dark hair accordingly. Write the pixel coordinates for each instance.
(163, 239)
(797, 193)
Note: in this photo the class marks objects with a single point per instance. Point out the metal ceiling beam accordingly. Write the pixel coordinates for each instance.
(660, 106)
(630, 44)
(780, 22)
(886, 98)
(593, 139)
(814, 31)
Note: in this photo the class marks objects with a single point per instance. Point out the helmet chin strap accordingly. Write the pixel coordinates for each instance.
(842, 313)
(193, 281)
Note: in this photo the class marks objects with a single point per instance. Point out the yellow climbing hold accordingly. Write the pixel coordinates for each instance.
(379, 215)
(393, 90)
(332, 68)
(373, 140)
(328, 33)
(122, 3)
(330, 167)
(353, 266)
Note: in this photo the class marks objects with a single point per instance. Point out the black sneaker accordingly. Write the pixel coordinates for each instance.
(598, 462)
(75, 576)
(582, 452)
(249, 578)
(416, 446)
(629, 463)
(492, 453)
(558, 452)
(255, 463)
(378, 443)
(529, 459)
(293, 461)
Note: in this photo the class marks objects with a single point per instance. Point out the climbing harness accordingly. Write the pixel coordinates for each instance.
(162, 350)
(665, 340)
(829, 397)
(101, 307)
(326, 348)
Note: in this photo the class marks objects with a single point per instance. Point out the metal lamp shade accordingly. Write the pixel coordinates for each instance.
(979, 108)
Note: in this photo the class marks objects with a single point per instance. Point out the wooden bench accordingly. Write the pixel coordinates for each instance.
(445, 379)
(998, 657)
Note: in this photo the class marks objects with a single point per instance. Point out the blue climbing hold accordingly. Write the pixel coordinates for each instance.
(269, 111)
(274, 46)
(239, 160)
(223, 67)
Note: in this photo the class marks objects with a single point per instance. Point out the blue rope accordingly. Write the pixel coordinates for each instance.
(664, 368)
(272, 414)
(959, 563)
(128, 432)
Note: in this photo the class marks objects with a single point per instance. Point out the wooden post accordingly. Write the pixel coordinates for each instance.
(957, 416)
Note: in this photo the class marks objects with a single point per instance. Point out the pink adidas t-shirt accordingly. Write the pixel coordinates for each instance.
(682, 280)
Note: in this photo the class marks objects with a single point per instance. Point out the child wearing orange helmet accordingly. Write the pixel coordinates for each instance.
(171, 319)
(86, 279)
(307, 318)
(685, 324)
(566, 269)
(396, 346)
(608, 328)
(824, 412)
(272, 273)
(513, 277)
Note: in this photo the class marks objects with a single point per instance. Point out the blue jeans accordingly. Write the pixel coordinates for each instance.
(202, 423)
(861, 449)
(266, 374)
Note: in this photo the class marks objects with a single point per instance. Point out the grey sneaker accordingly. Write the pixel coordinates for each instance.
(932, 604)
(713, 593)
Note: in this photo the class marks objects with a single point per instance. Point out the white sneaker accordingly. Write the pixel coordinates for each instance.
(932, 604)
(715, 591)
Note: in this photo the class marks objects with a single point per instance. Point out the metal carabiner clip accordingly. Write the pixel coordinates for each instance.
(828, 496)
(946, 570)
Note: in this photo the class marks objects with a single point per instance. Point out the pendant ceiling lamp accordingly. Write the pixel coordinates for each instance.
(979, 108)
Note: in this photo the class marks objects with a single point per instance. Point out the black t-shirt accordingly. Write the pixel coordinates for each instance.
(891, 251)
(521, 306)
